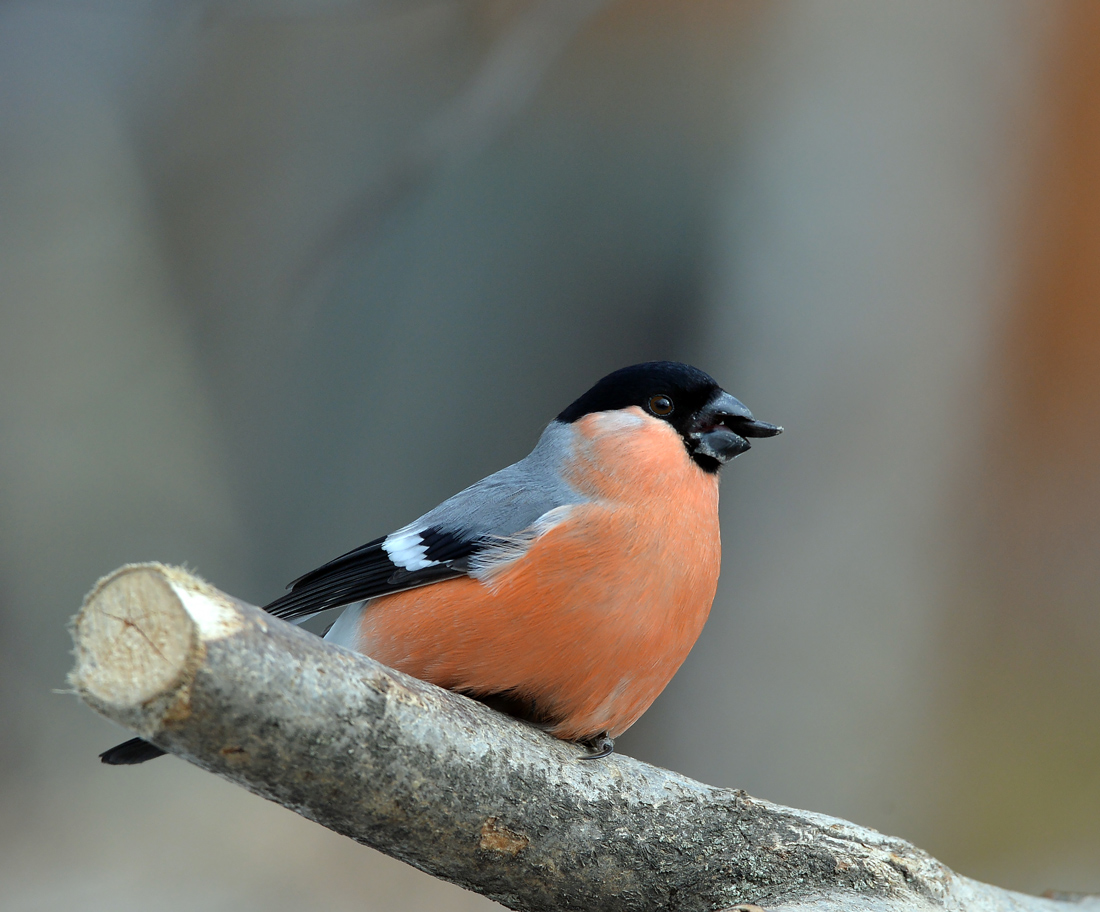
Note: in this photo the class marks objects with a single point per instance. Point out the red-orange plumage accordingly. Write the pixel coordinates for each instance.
(597, 614)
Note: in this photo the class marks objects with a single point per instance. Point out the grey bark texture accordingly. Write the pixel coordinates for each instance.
(461, 791)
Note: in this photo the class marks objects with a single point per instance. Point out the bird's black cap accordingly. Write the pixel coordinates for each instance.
(688, 387)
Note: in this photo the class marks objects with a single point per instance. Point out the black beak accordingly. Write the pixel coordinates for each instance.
(754, 428)
(721, 429)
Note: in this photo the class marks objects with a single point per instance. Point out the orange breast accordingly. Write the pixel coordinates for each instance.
(593, 621)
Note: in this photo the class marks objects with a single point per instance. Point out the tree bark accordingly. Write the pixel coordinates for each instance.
(463, 792)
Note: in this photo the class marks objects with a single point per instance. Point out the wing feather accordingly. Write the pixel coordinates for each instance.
(363, 573)
(494, 519)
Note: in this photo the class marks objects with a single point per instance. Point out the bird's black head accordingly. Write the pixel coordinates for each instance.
(712, 424)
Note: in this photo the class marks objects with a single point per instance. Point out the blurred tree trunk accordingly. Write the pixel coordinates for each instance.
(1025, 631)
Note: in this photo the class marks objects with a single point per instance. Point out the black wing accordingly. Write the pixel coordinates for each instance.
(368, 572)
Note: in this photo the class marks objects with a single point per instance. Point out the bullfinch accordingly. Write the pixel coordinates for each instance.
(565, 589)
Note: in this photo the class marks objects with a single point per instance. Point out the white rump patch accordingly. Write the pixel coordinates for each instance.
(345, 632)
(406, 549)
(501, 551)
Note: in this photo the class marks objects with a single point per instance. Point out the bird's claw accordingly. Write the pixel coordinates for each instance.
(602, 746)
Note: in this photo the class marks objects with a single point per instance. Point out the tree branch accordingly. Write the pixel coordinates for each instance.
(463, 792)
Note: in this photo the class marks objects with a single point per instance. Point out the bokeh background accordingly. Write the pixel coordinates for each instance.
(277, 277)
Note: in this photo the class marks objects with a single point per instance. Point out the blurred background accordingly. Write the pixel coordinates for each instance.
(254, 256)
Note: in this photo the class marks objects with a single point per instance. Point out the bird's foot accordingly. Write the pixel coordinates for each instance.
(602, 746)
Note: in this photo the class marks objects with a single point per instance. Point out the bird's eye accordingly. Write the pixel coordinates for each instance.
(661, 405)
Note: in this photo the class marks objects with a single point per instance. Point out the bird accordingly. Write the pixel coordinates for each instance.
(565, 589)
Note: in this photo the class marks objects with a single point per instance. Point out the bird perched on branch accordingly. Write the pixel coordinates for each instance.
(566, 589)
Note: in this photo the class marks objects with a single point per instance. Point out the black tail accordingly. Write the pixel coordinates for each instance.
(129, 752)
